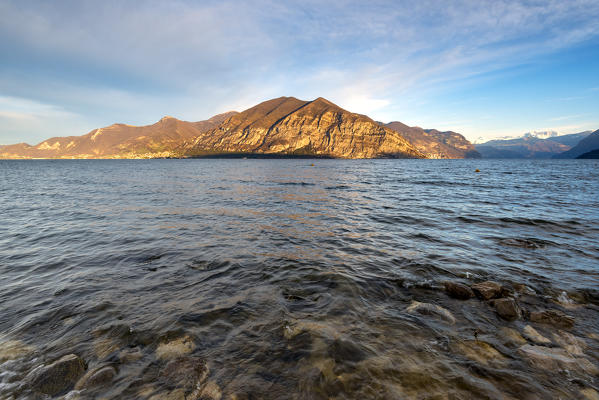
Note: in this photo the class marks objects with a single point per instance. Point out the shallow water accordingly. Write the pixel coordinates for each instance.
(292, 281)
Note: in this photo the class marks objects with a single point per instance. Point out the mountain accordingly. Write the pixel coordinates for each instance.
(593, 154)
(529, 146)
(288, 126)
(285, 126)
(436, 144)
(589, 143)
(118, 141)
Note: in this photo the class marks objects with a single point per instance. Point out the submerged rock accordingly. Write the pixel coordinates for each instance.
(96, 377)
(552, 359)
(58, 377)
(572, 344)
(534, 336)
(511, 337)
(458, 290)
(431, 309)
(481, 352)
(185, 373)
(487, 290)
(13, 349)
(552, 317)
(589, 394)
(175, 348)
(507, 309)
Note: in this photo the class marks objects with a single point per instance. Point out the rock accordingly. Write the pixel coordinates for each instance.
(458, 290)
(96, 377)
(511, 337)
(487, 290)
(532, 334)
(507, 309)
(589, 394)
(57, 377)
(552, 359)
(572, 344)
(210, 391)
(185, 373)
(130, 355)
(552, 317)
(175, 348)
(431, 309)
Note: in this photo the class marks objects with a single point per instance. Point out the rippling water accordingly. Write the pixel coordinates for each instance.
(292, 280)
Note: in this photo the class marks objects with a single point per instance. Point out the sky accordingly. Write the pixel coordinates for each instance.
(485, 69)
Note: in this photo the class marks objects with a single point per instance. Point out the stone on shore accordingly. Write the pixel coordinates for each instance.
(487, 290)
(431, 309)
(552, 317)
(507, 309)
(458, 290)
(96, 377)
(589, 394)
(58, 377)
(534, 336)
(175, 348)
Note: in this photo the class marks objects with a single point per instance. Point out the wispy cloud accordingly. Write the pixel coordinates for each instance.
(109, 60)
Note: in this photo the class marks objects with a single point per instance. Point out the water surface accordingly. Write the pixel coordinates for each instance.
(292, 280)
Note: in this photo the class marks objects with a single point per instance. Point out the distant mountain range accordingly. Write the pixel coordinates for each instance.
(546, 145)
(284, 126)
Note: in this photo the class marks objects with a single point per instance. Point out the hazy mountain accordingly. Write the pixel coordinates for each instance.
(118, 141)
(593, 154)
(436, 144)
(589, 143)
(529, 146)
(288, 126)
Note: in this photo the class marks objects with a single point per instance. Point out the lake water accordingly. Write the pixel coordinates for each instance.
(294, 278)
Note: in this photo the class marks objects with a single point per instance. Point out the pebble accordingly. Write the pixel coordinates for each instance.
(431, 309)
(507, 309)
(487, 290)
(458, 290)
(552, 317)
(534, 336)
(58, 377)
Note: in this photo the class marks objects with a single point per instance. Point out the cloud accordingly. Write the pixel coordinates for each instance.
(115, 60)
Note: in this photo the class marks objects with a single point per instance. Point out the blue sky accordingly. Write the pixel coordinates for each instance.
(482, 68)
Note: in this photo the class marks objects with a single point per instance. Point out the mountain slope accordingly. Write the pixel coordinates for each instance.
(436, 144)
(587, 144)
(529, 146)
(118, 141)
(289, 126)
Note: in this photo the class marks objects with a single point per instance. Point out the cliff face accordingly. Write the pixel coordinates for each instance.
(436, 144)
(289, 126)
(118, 141)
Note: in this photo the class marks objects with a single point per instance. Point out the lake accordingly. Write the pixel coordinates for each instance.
(299, 278)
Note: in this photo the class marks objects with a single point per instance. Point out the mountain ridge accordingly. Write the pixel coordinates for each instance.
(284, 126)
